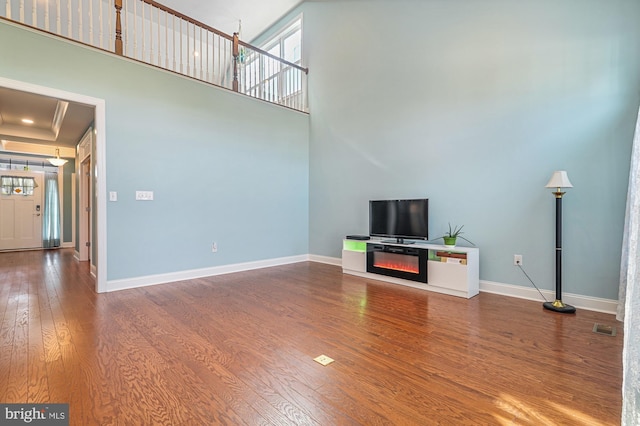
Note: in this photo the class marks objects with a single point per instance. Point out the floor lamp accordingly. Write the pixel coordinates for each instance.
(559, 180)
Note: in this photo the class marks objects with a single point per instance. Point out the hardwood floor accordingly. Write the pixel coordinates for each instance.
(238, 349)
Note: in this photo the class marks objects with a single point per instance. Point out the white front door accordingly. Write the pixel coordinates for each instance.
(21, 215)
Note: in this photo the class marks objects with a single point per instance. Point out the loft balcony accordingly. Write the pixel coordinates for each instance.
(146, 31)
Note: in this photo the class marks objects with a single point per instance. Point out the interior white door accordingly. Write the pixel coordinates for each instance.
(21, 216)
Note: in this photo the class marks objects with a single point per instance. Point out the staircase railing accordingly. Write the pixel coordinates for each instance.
(152, 33)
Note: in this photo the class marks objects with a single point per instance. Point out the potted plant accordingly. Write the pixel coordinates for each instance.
(452, 235)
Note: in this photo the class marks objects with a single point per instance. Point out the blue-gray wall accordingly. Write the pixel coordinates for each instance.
(470, 103)
(223, 167)
(474, 104)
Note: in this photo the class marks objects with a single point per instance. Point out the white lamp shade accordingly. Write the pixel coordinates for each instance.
(57, 161)
(559, 180)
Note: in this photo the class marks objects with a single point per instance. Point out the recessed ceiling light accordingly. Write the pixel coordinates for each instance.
(196, 53)
(27, 121)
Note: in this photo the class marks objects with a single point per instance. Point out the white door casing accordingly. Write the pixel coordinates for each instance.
(21, 216)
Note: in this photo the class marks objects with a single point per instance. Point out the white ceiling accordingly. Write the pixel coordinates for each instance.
(225, 15)
(56, 122)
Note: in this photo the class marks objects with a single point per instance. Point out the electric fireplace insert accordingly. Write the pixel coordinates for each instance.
(409, 263)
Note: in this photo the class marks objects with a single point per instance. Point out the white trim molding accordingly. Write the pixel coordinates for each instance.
(336, 261)
(607, 306)
(128, 283)
(589, 303)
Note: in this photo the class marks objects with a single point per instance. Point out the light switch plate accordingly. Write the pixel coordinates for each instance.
(144, 195)
(113, 196)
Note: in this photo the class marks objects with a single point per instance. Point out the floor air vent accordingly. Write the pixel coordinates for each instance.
(604, 329)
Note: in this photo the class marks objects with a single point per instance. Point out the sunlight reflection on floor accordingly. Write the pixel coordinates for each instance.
(522, 413)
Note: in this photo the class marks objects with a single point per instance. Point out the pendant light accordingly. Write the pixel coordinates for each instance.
(57, 161)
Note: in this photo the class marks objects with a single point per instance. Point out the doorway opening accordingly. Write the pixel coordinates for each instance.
(97, 168)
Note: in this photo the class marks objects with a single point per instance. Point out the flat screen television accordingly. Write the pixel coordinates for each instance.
(399, 219)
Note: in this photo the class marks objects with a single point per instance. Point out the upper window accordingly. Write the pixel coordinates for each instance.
(270, 79)
(14, 185)
(287, 44)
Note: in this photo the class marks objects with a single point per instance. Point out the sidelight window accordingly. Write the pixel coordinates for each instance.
(15, 185)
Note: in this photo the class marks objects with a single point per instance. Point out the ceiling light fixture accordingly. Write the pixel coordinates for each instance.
(57, 161)
(27, 121)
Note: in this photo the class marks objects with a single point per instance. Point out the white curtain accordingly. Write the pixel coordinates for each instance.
(51, 214)
(629, 293)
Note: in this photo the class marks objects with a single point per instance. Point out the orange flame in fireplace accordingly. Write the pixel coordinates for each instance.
(397, 266)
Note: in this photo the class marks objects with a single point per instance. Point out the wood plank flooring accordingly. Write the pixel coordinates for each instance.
(238, 349)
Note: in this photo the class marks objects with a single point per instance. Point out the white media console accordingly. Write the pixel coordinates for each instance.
(433, 267)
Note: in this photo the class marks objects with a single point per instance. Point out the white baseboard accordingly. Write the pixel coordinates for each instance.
(325, 259)
(583, 302)
(68, 245)
(589, 303)
(128, 283)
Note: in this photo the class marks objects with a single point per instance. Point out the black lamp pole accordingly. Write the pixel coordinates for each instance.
(558, 305)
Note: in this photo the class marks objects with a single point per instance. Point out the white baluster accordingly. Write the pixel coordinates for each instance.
(188, 50)
(7, 9)
(91, 22)
(159, 44)
(80, 20)
(180, 44)
(195, 57)
(135, 30)
(22, 11)
(201, 56)
(69, 20)
(143, 50)
(34, 13)
(166, 40)
(173, 33)
(193, 54)
(110, 27)
(100, 31)
(58, 18)
(206, 43)
(46, 16)
(219, 56)
(150, 34)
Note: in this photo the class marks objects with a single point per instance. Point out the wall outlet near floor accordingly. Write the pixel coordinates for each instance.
(517, 260)
(214, 247)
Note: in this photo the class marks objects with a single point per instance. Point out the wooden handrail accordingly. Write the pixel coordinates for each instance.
(222, 34)
(277, 58)
(188, 19)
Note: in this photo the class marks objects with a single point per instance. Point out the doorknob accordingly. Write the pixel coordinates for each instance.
(36, 214)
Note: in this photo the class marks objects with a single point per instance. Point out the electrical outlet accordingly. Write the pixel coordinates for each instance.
(214, 247)
(144, 195)
(517, 260)
(323, 359)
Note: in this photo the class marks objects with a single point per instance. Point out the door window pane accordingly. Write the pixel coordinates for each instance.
(14, 185)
